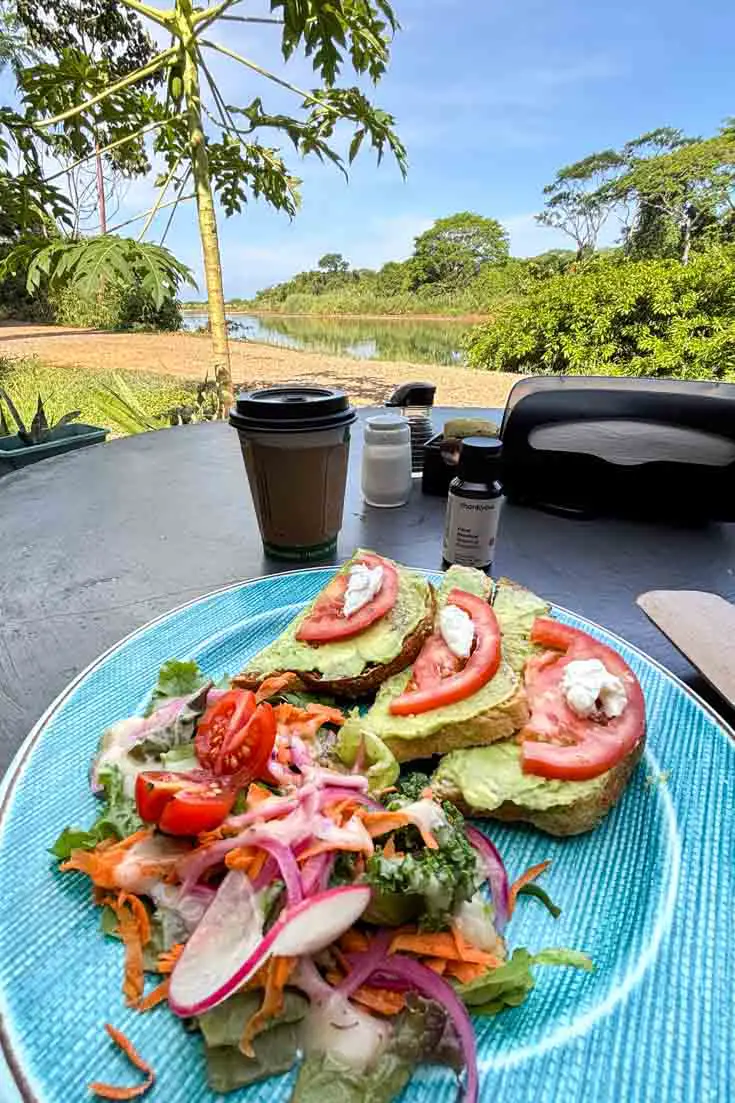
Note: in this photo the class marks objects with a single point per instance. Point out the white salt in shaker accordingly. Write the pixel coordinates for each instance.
(386, 461)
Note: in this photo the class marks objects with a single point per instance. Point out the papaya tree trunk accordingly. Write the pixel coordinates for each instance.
(205, 208)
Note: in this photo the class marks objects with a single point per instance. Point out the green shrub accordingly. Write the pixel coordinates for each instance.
(621, 317)
(118, 307)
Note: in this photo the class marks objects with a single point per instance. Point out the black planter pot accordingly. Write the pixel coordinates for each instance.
(14, 454)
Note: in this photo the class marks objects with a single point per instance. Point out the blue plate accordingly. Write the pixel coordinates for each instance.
(649, 895)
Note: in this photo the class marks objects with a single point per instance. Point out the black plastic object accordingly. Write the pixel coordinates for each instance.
(479, 459)
(291, 410)
(648, 448)
(413, 394)
(441, 458)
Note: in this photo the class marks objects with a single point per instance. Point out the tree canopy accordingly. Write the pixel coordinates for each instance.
(454, 249)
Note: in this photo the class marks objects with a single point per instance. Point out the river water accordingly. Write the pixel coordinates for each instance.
(417, 340)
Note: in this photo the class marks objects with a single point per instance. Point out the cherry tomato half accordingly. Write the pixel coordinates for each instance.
(224, 718)
(182, 805)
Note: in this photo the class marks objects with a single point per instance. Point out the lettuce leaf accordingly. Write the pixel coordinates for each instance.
(382, 768)
(322, 1079)
(175, 679)
(508, 985)
(118, 819)
(275, 1048)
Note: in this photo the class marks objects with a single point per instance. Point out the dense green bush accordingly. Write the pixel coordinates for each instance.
(623, 317)
(118, 307)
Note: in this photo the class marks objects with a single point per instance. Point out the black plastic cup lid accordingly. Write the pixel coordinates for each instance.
(291, 410)
(479, 458)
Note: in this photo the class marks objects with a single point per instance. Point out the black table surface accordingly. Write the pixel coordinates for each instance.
(95, 543)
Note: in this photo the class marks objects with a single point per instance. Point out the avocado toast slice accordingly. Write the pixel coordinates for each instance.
(488, 782)
(358, 665)
(496, 711)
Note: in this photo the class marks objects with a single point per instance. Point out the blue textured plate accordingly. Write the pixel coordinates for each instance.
(649, 895)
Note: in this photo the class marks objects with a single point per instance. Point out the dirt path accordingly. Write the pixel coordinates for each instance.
(186, 356)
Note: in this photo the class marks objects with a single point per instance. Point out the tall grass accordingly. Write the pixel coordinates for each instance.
(66, 389)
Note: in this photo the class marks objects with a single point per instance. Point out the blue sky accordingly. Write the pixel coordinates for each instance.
(490, 97)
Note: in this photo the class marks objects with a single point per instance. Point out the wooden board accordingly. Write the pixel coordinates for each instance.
(702, 626)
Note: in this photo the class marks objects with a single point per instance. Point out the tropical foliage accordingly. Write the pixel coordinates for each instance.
(619, 316)
(459, 265)
(216, 151)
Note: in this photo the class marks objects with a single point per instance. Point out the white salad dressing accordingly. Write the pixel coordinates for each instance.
(364, 583)
(457, 629)
(588, 685)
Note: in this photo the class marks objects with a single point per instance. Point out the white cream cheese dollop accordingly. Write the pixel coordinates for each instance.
(588, 686)
(364, 583)
(457, 630)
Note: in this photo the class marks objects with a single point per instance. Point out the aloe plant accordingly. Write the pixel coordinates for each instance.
(41, 429)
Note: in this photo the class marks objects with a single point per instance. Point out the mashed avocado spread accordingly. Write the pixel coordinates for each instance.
(380, 643)
(487, 776)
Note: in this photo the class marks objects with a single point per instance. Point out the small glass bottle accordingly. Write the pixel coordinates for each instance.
(473, 505)
(386, 461)
(415, 401)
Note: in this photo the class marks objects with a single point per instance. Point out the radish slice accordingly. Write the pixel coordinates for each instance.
(218, 956)
(228, 945)
(315, 923)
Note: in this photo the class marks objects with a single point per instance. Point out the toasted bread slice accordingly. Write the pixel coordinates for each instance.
(556, 807)
(496, 711)
(359, 665)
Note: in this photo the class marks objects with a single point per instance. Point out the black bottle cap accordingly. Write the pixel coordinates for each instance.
(479, 459)
(413, 394)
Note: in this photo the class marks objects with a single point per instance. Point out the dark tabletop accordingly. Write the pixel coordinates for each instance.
(96, 543)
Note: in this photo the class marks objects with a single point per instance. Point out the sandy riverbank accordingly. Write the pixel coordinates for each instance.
(253, 364)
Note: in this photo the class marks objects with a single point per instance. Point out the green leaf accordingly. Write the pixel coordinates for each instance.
(176, 678)
(322, 1079)
(509, 985)
(118, 819)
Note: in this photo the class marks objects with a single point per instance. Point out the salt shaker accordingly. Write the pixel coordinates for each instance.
(386, 461)
(415, 401)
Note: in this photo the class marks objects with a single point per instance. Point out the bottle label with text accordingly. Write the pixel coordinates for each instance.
(471, 530)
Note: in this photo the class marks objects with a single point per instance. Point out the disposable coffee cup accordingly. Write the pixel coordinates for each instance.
(296, 444)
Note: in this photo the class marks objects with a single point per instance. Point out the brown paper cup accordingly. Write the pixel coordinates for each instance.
(295, 443)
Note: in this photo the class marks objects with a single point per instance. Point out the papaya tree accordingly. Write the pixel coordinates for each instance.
(212, 149)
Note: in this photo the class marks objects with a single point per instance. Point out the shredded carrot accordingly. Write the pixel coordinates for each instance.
(465, 971)
(110, 1091)
(525, 879)
(283, 754)
(382, 1000)
(167, 960)
(387, 789)
(354, 942)
(441, 944)
(140, 913)
(467, 952)
(290, 719)
(248, 859)
(341, 811)
(436, 964)
(257, 794)
(389, 850)
(155, 996)
(271, 686)
(100, 864)
(380, 823)
(129, 931)
(279, 969)
(326, 714)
